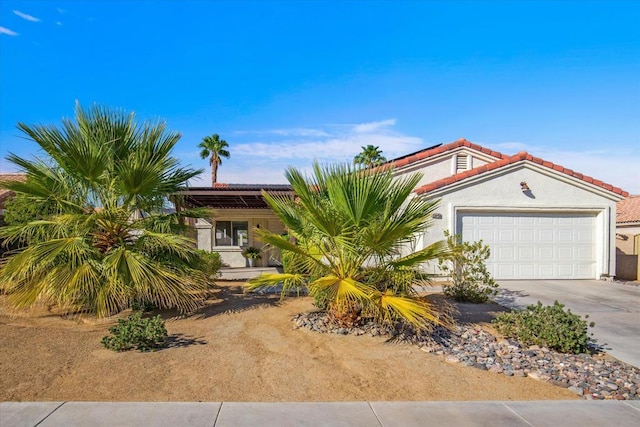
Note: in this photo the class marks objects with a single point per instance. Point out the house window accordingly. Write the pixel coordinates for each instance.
(232, 233)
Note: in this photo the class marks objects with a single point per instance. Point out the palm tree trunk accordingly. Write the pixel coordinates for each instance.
(214, 172)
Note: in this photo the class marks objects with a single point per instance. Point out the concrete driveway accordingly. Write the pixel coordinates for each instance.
(615, 308)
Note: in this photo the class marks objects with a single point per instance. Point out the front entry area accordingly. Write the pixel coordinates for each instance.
(528, 245)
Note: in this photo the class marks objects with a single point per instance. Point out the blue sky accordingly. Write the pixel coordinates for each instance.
(292, 81)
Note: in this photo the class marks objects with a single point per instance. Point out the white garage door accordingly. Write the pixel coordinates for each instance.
(534, 246)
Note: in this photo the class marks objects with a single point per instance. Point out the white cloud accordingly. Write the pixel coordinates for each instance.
(508, 147)
(58, 23)
(619, 167)
(284, 132)
(7, 31)
(264, 159)
(373, 126)
(25, 16)
(340, 143)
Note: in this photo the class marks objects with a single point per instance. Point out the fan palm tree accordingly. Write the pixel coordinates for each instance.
(370, 156)
(352, 231)
(214, 148)
(108, 243)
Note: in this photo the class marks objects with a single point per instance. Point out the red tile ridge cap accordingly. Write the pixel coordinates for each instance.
(420, 155)
(521, 156)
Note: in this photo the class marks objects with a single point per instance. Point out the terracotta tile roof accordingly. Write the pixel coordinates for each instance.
(433, 151)
(628, 210)
(522, 156)
(4, 193)
(244, 187)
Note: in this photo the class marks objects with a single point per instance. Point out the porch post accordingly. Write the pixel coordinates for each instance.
(204, 232)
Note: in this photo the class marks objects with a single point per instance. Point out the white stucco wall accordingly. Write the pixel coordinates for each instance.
(232, 255)
(550, 191)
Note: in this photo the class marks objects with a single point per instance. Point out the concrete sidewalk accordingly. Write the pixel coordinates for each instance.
(281, 414)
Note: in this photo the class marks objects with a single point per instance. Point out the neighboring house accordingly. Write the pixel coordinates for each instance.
(7, 194)
(239, 210)
(628, 238)
(541, 220)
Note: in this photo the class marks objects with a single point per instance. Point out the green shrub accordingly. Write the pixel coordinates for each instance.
(209, 263)
(143, 306)
(321, 299)
(465, 264)
(549, 326)
(252, 253)
(146, 334)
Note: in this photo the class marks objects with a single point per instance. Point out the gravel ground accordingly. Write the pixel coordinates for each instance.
(589, 376)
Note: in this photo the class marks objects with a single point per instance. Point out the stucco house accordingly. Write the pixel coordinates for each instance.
(239, 210)
(628, 238)
(541, 220)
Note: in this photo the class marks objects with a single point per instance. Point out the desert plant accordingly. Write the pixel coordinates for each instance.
(136, 332)
(109, 243)
(465, 264)
(20, 209)
(215, 149)
(210, 263)
(549, 326)
(252, 253)
(369, 156)
(350, 234)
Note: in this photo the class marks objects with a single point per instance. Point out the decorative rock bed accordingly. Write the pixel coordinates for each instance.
(583, 374)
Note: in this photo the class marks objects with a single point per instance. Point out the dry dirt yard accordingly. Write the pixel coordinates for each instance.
(238, 348)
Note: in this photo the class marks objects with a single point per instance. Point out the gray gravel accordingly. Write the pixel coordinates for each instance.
(590, 376)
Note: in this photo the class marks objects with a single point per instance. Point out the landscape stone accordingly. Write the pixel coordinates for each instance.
(591, 376)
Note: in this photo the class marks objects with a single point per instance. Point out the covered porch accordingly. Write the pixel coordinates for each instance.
(239, 210)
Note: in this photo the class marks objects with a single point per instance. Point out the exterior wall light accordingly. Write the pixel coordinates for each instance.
(524, 186)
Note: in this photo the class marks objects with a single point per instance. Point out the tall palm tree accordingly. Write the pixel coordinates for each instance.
(353, 231)
(214, 148)
(108, 243)
(370, 156)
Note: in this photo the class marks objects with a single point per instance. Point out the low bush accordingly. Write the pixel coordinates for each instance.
(321, 299)
(143, 334)
(549, 326)
(209, 263)
(465, 264)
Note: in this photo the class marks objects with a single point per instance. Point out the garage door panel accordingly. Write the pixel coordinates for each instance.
(526, 236)
(526, 253)
(534, 246)
(506, 235)
(545, 236)
(565, 235)
(505, 254)
(546, 271)
(486, 235)
(583, 269)
(584, 236)
(526, 270)
(546, 253)
(503, 270)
